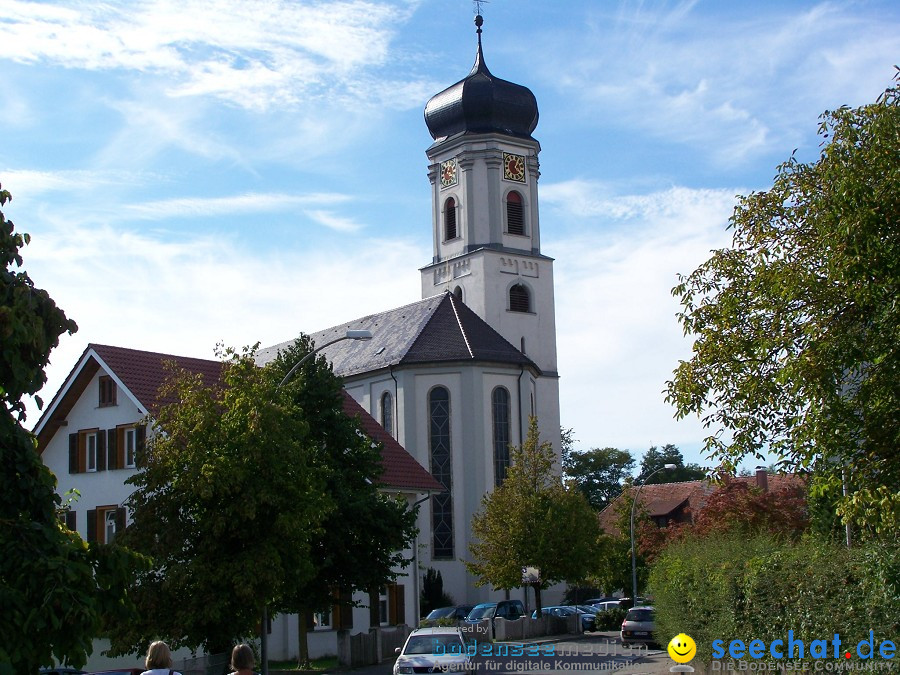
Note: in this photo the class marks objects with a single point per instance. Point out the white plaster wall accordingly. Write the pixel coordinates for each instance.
(100, 488)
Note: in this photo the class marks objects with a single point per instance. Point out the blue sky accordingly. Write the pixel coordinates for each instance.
(207, 170)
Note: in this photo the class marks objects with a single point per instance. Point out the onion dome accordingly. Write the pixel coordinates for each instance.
(482, 103)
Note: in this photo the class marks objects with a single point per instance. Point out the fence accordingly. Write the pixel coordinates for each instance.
(365, 649)
(209, 664)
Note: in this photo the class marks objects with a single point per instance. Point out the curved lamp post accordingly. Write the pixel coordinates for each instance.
(634, 502)
(349, 335)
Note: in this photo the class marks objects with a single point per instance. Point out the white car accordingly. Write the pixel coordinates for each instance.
(436, 649)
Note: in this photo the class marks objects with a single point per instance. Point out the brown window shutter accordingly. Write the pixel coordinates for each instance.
(71, 520)
(82, 452)
(140, 442)
(73, 454)
(392, 604)
(120, 447)
(374, 619)
(401, 604)
(120, 519)
(92, 525)
(111, 454)
(101, 450)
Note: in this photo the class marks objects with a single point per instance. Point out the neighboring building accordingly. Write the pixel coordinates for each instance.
(91, 430)
(456, 376)
(682, 502)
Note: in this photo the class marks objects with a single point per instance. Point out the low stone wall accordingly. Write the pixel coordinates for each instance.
(526, 628)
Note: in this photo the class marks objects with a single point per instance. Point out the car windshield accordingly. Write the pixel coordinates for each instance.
(440, 613)
(434, 644)
(485, 612)
(639, 615)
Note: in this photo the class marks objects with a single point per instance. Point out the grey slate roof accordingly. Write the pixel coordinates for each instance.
(439, 329)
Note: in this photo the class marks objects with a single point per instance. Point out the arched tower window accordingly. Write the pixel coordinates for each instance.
(515, 213)
(442, 470)
(387, 412)
(519, 298)
(500, 414)
(450, 219)
(458, 292)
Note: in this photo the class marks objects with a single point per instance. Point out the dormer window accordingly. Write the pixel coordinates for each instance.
(450, 219)
(515, 214)
(519, 299)
(107, 391)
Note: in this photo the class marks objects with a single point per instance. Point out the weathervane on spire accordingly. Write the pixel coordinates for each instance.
(478, 20)
(478, 4)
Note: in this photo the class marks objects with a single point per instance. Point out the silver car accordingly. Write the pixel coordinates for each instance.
(434, 650)
(639, 626)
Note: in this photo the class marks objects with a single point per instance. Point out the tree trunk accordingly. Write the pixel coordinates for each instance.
(537, 598)
(303, 621)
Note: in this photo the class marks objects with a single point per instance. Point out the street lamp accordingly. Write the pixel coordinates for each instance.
(349, 335)
(634, 594)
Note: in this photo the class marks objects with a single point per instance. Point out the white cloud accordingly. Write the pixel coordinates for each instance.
(334, 221)
(618, 337)
(254, 54)
(213, 206)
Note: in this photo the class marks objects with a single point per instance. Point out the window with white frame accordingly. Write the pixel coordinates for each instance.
(130, 446)
(322, 620)
(91, 451)
(109, 525)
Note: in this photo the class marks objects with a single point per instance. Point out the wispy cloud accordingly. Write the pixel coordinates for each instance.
(253, 54)
(187, 207)
(334, 221)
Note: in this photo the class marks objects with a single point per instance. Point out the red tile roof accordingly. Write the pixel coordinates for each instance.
(661, 499)
(143, 373)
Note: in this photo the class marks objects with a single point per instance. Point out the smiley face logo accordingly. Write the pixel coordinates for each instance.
(682, 648)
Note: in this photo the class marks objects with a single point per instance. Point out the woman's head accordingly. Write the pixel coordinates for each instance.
(242, 658)
(158, 656)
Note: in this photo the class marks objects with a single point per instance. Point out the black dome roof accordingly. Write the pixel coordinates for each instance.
(481, 103)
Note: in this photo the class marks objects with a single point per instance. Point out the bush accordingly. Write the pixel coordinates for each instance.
(759, 588)
(611, 619)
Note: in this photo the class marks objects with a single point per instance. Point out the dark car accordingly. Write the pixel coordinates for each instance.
(120, 671)
(455, 613)
(504, 609)
(587, 614)
(61, 670)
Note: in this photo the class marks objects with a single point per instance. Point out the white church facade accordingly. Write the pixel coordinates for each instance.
(452, 379)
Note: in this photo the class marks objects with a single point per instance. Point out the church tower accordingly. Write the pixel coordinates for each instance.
(484, 170)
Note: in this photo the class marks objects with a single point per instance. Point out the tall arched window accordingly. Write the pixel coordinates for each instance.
(519, 298)
(458, 292)
(442, 470)
(515, 213)
(387, 412)
(500, 414)
(450, 219)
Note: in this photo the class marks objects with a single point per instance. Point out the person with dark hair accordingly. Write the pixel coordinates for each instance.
(159, 660)
(242, 660)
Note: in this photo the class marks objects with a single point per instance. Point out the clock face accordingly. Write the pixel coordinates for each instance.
(514, 167)
(449, 173)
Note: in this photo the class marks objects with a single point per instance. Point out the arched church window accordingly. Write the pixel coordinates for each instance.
(515, 213)
(387, 412)
(500, 413)
(441, 469)
(458, 292)
(450, 219)
(519, 298)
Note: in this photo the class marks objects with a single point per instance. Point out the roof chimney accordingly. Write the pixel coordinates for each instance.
(762, 478)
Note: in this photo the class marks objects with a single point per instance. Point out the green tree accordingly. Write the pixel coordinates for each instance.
(359, 546)
(655, 459)
(796, 324)
(533, 520)
(225, 505)
(55, 589)
(599, 473)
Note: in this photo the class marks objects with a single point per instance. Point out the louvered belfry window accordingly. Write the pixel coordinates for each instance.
(515, 214)
(519, 299)
(450, 219)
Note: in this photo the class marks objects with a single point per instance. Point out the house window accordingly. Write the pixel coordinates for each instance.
(90, 447)
(515, 214)
(387, 412)
(383, 616)
(450, 219)
(104, 522)
(107, 391)
(441, 469)
(322, 620)
(519, 299)
(130, 447)
(500, 414)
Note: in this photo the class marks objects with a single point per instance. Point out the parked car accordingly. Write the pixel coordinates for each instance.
(639, 626)
(61, 670)
(436, 649)
(606, 605)
(597, 601)
(120, 671)
(504, 609)
(456, 612)
(587, 614)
